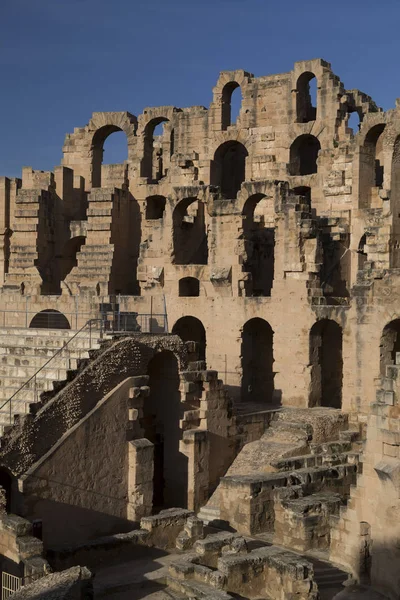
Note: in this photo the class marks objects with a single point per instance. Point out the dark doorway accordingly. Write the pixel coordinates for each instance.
(326, 362)
(306, 98)
(6, 483)
(257, 362)
(303, 155)
(390, 345)
(259, 243)
(190, 233)
(191, 329)
(189, 286)
(162, 412)
(228, 169)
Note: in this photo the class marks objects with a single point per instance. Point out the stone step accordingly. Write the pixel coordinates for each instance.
(196, 589)
(16, 383)
(335, 447)
(53, 372)
(34, 342)
(41, 332)
(25, 394)
(36, 362)
(209, 514)
(42, 354)
(309, 461)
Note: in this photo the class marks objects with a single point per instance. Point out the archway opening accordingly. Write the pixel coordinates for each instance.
(390, 346)
(155, 207)
(49, 319)
(189, 286)
(306, 97)
(114, 151)
(303, 155)
(257, 362)
(158, 149)
(231, 103)
(191, 329)
(190, 233)
(162, 412)
(371, 166)
(326, 361)
(6, 485)
(336, 263)
(354, 122)
(259, 243)
(228, 169)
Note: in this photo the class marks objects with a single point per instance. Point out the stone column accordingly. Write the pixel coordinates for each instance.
(140, 479)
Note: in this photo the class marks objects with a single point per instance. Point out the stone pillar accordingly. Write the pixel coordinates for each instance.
(140, 479)
(196, 447)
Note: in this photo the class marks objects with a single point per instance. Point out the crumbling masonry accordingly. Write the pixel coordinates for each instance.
(270, 247)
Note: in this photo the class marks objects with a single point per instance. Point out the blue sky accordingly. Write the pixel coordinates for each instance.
(61, 60)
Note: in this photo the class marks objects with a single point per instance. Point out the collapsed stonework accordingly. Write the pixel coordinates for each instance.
(269, 247)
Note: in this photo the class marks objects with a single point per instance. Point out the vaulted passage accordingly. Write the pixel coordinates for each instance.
(191, 329)
(390, 345)
(228, 168)
(326, 363)
(371, 166)
(162, 412)
(259, 243)
(257, 362)
(190, 233)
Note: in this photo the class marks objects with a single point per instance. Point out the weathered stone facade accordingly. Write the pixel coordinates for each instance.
(271, 244)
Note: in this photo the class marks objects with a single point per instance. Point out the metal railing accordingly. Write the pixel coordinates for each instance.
(10, 584)
(89, 328)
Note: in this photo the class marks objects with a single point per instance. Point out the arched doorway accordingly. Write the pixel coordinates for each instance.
(390, 345)
(303, 155)
(326, 363)
(158, 149)
(162, 412)
(49, 319)
(191, 329)
(231, 104)
(259, 243)
(257, 362)
(306, 97)
(118, 150)
(228, 169)
(190, 233)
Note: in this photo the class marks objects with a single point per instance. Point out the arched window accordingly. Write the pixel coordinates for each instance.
(390, 346)
(191, 329)
(335, 270)
(306, 98)
(158, 142)
(395, 203)
(231, 104)
(115, 151)
(354, 122)
(49, 319)
(155, 207)
(189, 233)
(228, 169)
(162, 427)
(259, 244)
(303, 155)
(326, 363)
(189, 286)
(257, 362)
(371, 165)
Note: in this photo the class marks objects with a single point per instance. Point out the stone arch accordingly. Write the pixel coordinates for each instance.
(156, 149)
(306, 105)
(189, 286)
(49, 319)
(257, 359)
(390, 346)
(303, 155)
(155, 207)
(228, 168)
(395, 203)
(226, 108)
(191, 329)
(362, 255)
(371, 170)
(326, 362)
(259, 244)
(162, 413)
(189, 234)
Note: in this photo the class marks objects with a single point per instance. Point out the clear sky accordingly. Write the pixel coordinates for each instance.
(61, 60)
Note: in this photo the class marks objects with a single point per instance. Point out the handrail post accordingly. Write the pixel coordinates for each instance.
(90, 333)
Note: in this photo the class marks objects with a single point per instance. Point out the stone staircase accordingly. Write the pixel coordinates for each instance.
(292, 482)
(23, 352)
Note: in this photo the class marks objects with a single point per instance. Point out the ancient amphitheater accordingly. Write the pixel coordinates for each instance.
(199, 352)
